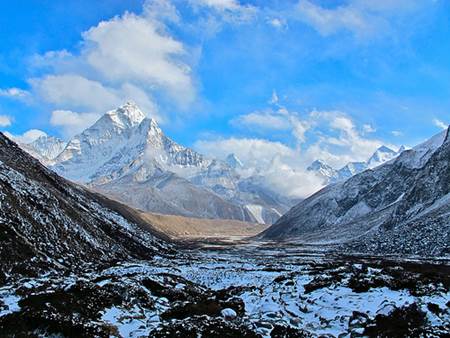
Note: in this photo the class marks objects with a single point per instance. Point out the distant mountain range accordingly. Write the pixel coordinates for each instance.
(400, 207)
(127, 156)
(331, 175)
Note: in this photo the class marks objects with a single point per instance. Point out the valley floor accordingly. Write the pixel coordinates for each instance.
(240, 290)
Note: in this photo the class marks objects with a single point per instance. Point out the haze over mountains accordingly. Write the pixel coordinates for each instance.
(399, 207)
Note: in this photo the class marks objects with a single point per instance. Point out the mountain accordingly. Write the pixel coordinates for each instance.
(323, 170)
(127, 156)
(381, 155)
(349, 170)
(331, 175)
(233, 161)
(45, 148)
(47, 222)
(402, 206)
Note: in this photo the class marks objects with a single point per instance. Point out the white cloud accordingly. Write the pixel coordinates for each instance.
(220, 4)
(360, 17)
(5, 121)
(440, 124)
(396, 133)
(230, 11)
(75, 92)
(267, 120)
(253, 152)
(274, 98)
(367, 128)
(71, 122)
(341, 143)
(132, 48)
(161, 10)
(13, 92)
(279, 23)
(27, 137)
(331, 136)
(330, 21)
(129, 57)
(278, 163)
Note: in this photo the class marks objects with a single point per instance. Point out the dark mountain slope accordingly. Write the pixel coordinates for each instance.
(401, 207)
(47, 222)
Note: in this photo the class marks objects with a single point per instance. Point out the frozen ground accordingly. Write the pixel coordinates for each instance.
(237, 291)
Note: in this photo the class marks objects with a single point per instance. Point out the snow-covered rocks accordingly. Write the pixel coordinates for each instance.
(228, 314)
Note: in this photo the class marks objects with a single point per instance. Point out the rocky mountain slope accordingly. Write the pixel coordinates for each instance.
(49, 223)
(128, 157)
(402, 206)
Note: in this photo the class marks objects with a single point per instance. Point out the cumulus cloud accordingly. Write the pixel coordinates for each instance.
(71, 122)
(132, 48)
(5, 121)
(75, 92)
(274, 160)
(252, 151)
(27, 137)
(341, 143)
(79, 93)
(440, 124)
(129, 57)
(331, 136)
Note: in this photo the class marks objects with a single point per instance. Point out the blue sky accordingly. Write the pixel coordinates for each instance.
(307, 79)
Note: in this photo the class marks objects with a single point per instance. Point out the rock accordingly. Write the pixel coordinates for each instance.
(229, 313)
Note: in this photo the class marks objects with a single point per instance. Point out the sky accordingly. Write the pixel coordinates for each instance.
(279, 83)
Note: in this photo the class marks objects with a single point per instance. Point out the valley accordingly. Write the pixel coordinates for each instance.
(366, 257)
(225, 169)
(252, 289)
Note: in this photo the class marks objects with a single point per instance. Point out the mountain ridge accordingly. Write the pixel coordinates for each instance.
(126, 155)
(381, 210)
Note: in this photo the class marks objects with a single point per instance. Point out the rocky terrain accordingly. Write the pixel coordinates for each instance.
(244, 291)
(401, 207)
(76, 264)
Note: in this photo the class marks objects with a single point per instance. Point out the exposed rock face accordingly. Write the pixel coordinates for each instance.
(47, 222)
(402, 206)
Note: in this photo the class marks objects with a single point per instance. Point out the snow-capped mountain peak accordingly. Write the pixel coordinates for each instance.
(381, 155)
(45, 148)
(128, 115)
(233, 161)
(48, 146)
(323, 169)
